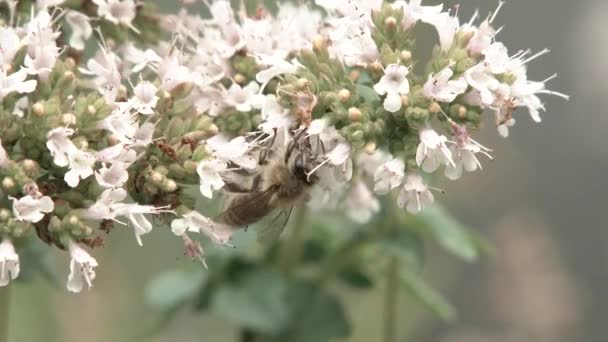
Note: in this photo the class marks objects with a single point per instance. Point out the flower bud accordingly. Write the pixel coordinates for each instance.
(91, 109)
(370, 147)
(169, 185)
(156, 177)
(405, 56)
(355, 114)
(319, 43)
(434, 107)
(344, 95)
(303, 83)
(405, 100)
(354, 75)
(240, 78)
(462, 112)
(390, 23)
(38, 109)
(70, 63)
(68, 119)
(8, 184)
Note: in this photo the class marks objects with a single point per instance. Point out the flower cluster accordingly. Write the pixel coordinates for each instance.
(116, 139)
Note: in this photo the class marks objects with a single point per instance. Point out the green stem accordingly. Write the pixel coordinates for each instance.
(4, 312)
(390, 302)
(291, 250)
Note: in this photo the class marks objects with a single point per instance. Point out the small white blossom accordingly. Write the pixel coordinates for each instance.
(464, 152)
(195, 222)
(276, 67)
(32, 209)
(274, 116)
(415, 194)
(81, 29)
(9, 262)
(234, 151)
(414, 12)
(389, 176)
(135, 213)
(140, 59)
(118, 12)
(503, 128)
(496, 58)
(439, 87)
(21, 106)
(40, 60)
(105, 69)
(60, 145)
(209, 172)
(361, 204)
(244, 99)
(484, 82)
(145, 98)
(172, 73)
(394, 84)
(103, 208)
(114, 176)
(10, 43)
(15, 82)
(80, 167)
(432, 151)
(82, 268)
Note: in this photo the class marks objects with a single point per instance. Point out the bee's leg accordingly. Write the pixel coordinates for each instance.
(255, 184)
(236, 188)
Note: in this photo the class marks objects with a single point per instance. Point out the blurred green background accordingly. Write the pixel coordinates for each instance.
(541, 203)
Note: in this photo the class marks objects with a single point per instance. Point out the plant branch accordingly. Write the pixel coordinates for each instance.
(390, 302)
(4, 313)
(291, 250)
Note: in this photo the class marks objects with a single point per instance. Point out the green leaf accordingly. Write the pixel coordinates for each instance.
(257, 302)
(172, 288)
(316, 316)
(406, 245)
(37, 257)
(368, 94)
(449, 233)
(356, 278)
(430, 298)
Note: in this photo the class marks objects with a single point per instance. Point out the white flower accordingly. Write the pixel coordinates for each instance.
(81, 166)
(118, 12)
(388, 176)
(394, 83)
(40, 60)
(82, 268)
(503, 128)
(15, 82)
(113, 177)
(465, 158)
(104, 66)
(10, 43)
(496, 58)
(60, 145)
(340, 158)
(145, 98)
(361, 204)
(144, 134)
(135, 213)
(414, 12)
(195, 222)
(439, 87)
(276, 66)
(103, 209)
(482, 81)
(9, 262)
(317, 126)
(234, 151)
(209, 172)
(432, 151)
(482, 35)
(446, 26)
(43, 4)
(32, 209)
(140, 59)
(525, 92)
(244, 99)
(414, 194)
(81, 29)
(172, 73)
(274, 116)
(352, 42)
(20, 106)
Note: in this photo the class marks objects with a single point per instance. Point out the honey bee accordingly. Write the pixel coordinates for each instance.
(269, 195)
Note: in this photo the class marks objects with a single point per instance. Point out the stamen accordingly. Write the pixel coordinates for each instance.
(538, 54)
(500, 4)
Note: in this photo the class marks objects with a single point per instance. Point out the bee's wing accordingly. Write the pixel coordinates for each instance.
(250, 205)
(271, 227)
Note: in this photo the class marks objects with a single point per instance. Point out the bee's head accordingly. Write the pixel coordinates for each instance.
(300, 169)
